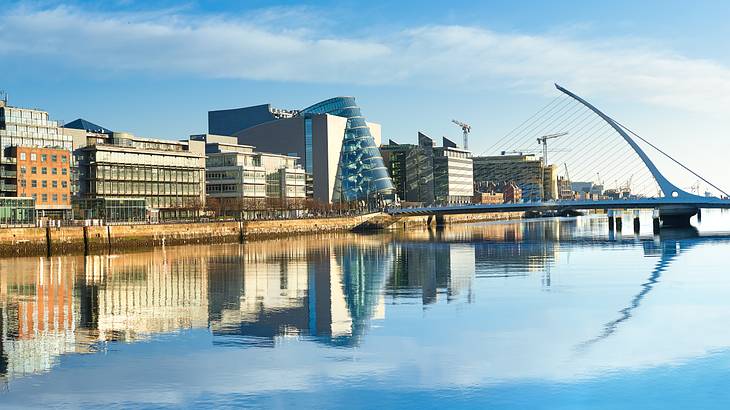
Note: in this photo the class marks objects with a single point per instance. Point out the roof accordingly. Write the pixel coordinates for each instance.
(82, 124)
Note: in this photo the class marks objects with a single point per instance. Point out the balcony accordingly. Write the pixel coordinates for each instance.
(8, 160)
(8, 187)
(8, 174)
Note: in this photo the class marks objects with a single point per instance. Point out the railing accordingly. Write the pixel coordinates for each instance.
(8, 187)
(8, 160)
(8, 174)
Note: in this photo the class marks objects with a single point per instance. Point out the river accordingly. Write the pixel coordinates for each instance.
(553, 313)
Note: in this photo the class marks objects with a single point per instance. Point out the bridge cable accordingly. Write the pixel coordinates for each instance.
(670, 157)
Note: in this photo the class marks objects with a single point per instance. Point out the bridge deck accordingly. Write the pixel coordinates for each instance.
(648, 203)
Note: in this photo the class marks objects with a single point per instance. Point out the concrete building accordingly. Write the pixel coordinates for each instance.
(35, 160)
(440, 175)
(168, 175)
(337, 147)
(527, 171)
(243, 182)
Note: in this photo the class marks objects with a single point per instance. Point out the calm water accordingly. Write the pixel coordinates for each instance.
(537, 314)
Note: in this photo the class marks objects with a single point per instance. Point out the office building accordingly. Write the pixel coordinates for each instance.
(527, 171)
(337, 147)
(246, 183)
(168, 175)
(433, 175)
(35, 160)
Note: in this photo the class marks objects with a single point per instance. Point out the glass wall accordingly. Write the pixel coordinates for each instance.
(112, 210)
(17, 211)
(361, 172)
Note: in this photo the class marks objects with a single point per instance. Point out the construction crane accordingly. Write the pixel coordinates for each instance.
(466, 128)
(543, 140)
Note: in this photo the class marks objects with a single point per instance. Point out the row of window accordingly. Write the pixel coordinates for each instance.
(152, 174)
(43, 198)
(44, 170)
(43, 184)
(44, 157)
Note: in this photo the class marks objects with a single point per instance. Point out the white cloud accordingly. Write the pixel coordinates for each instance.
(263, 47)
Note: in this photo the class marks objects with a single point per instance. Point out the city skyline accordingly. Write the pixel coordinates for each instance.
(411, 69)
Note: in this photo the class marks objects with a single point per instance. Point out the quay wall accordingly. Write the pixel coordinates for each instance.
(113, 238)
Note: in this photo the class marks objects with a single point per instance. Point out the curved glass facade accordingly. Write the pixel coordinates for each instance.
(361, 172)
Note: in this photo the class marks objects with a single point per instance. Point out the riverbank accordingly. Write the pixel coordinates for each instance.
(117, 238)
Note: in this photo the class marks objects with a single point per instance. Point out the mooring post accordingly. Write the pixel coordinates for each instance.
(610, 221)
(637, 222)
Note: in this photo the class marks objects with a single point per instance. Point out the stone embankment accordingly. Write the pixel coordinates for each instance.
(115, 238)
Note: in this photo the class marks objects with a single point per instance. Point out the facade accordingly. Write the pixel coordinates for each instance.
(395, 159)
(441, 175)
(488, 198)
(17, 211)
(44, 174)
(512, 193)
(243, 182)
(337, 147)
(26, 134)
(168, 175)
(536, 181)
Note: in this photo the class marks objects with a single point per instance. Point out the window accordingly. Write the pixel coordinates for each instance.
(55, 197)
(63, 171)
(65, 197)
(44, 184)
(22, 156)
(54, 157)
(33, 157)
(54, 184)
(64, 184)
(22, 183)
(35, 197)
(44, 157)
(63, 159)
(44, 197)
(54, 171)
(44, 171)
(34, 184)
(23, 169)
(33, 170)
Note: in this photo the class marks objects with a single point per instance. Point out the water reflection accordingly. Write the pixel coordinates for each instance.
(323, 289)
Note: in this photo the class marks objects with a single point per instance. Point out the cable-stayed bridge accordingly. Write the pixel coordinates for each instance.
(594, 147)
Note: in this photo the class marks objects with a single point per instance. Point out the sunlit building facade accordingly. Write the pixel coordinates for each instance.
(337, 147)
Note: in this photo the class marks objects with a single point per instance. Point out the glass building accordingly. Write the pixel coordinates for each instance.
(112, 210)
(17, 211)
(362, 173)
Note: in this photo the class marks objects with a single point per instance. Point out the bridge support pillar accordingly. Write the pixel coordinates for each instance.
(677, 217)
(440, 221)
(656, 225)
(637, 223)
(699, 215)
(429, 220)
(610, 221)
(619, 224)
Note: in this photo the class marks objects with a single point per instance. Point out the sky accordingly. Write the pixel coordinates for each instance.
(154, 68)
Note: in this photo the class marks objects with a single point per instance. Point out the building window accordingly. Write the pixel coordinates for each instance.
(44, 171)
(55, 197)
(34, 183)
(64, 184)
(63, 171)
(54, 184)
(22, 183)
(33, 170)
(33, 157)
(65, 197)
(54, 158)
(44, 157)
(63, 159)
(23, 169)
(308, 145)
(44, 184)
(44, 197)
(22, 156)
(54, 171)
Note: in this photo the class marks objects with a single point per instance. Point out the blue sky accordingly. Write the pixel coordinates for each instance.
(156, 68)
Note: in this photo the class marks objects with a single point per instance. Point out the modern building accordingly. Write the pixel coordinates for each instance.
(433, 175)
(536, 181)
(168, 175)
(35, 160)
(246, 183)
(337, 147)
(17, 211)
